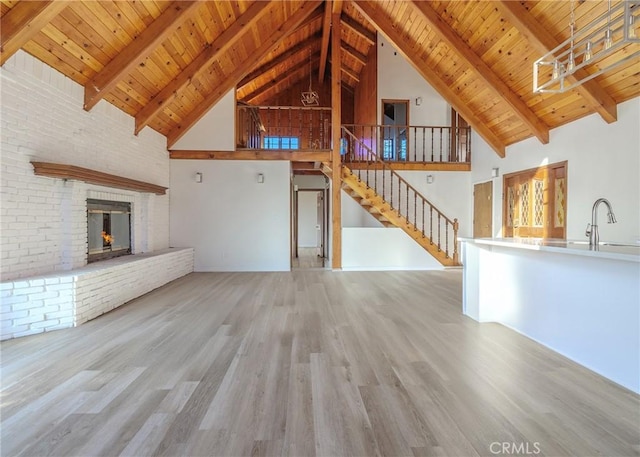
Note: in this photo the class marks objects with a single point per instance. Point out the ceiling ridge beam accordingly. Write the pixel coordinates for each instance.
(543, 42)
(276, 37)
(227, 39)
(23, 22)
(444, 31)
(353, 52)
(139, 49)
(389, 28)
(279, 60)
(315, 57)
(358, 29)
(324, 43)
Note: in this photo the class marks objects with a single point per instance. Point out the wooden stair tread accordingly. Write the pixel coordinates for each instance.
(388, 217)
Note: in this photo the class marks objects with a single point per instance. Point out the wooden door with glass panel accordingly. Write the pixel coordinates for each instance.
(535, 202)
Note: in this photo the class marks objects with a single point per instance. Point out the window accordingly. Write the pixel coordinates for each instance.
(387, 153)
(281, 142)
(535, 202)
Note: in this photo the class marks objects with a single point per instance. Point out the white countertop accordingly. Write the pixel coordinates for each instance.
(606, 250)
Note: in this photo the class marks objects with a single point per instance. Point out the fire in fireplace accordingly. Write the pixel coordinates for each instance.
(108, 229)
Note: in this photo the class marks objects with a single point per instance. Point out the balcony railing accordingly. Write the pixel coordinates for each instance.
(411, 143)
(283, 127)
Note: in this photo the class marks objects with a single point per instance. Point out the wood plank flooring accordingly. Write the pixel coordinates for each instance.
(308, 258)
(307, 363)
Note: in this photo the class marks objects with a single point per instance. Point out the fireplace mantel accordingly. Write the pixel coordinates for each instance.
(63, 171)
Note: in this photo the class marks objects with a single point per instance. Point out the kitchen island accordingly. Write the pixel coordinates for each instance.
(579, 301)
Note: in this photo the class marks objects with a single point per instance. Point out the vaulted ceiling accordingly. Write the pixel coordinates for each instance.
(166, 63)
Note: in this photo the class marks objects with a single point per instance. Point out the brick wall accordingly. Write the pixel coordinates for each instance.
(43, 220)
(55, 301)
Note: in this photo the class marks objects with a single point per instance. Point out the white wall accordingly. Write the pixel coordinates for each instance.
(354, 215)
(449, 192)
(216, 128)
(43, 220)
(398, 79)
(234, 223)
(603, 161)
(308, 219)
(383, 249)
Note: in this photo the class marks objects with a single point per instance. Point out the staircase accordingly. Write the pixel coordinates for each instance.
(394, 202)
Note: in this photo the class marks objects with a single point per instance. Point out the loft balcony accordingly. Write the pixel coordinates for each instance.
(307, 130)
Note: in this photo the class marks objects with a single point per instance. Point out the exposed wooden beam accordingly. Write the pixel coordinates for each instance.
(336, 133)
(308, 172)
(293, 71)
(139, 49)
(23, 22)
(337, 7)
(317, 14)
(388, 26)
(277, 35)
(324, 43)
(293, 156)
(279, 60)
(348, 71)
(543, 42)
(357, 28)
(201, 63)
(304, 166)
(538, 128)
(348, 88)
(353, 52)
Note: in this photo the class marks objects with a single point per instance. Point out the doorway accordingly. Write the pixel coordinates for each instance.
(310, 234)
(395, 121)
(483, 210)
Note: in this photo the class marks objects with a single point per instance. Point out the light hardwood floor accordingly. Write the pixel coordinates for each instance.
(308, 258)
(302, 364)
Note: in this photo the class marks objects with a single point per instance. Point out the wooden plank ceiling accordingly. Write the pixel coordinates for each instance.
(166, 63)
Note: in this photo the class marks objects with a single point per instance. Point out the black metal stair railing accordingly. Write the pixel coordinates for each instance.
(403, 198)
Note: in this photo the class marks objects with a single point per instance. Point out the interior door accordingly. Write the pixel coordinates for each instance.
(395, 121)
(483, 210)
(320, 222)
(535, 202)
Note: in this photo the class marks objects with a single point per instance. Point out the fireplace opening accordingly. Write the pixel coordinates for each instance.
(109, 229)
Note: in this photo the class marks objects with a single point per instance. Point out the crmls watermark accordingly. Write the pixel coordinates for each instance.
(509, 448)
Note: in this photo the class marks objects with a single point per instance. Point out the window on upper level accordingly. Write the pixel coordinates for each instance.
(281, 142)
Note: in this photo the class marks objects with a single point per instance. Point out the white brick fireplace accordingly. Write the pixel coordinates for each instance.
(46, 282)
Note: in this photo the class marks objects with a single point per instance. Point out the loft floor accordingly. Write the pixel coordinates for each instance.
(304, 363)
